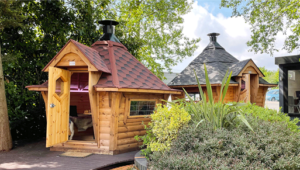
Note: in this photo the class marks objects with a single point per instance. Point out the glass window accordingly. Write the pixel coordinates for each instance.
(142, 107)
(243, 85)
(195, 96)
(293, 90)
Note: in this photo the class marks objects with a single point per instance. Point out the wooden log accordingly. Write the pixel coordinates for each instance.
(131, 134)
(131, 120)
(131, 128)
(105, 117)
(254, 82)
(104, 123)
(126, 141)
(121, 118)
(79, 142)
(104, 143)
(105, 130)
(128, 146)
(138, 123)
(104, 136)
(105, 111)
(115, 105)
(122, 124)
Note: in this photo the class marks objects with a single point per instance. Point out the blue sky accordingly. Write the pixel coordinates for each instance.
(206, 17)
(214, 7)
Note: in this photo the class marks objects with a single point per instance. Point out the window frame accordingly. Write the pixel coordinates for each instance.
(140, 116)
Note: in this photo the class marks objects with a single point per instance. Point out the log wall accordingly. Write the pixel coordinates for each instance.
(261, 96)
(116, 128)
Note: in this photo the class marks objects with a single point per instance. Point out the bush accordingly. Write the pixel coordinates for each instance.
(218, 114)
(272, 146)
(164, 127)
(270, 115)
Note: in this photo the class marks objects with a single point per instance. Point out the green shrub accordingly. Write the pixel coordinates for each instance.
(164, 127)
(217, 114)
(272, 146)
(270, 115)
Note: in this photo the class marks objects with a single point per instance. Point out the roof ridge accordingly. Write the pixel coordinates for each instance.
(112, 60)
(83, 45)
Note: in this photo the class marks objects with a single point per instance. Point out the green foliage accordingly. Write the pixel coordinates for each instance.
(272, 146)
(164, 127)
(50, 24)
(268, 18)
(10, 14)
(146, 139)
(217, 114)
(152, 31)
(271, 116)
(270, 76)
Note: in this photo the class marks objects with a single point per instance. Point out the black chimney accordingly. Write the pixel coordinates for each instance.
(109, 30)
(213, 44)
(213, 36)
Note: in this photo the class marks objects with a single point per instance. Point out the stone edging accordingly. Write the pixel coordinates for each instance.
(140, 161)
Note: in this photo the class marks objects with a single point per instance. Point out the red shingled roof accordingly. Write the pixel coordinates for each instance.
(120, 68)
(91, 54)
(127, 71)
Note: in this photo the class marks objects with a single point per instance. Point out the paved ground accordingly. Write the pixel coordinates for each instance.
(35, 156)
(272, 105)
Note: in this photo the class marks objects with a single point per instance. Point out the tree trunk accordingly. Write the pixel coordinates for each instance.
(5, 136)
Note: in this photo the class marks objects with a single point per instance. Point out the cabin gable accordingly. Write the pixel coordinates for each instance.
(67, 56)
(251, 68)
(71, 59)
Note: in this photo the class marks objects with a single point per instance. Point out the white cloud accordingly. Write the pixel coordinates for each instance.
(234, 34)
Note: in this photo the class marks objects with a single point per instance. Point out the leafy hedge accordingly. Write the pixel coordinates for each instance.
(272, 146)
(270, 115)
(164, 128)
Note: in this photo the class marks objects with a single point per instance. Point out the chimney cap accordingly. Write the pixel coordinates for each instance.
(108, 22)
(213, 34)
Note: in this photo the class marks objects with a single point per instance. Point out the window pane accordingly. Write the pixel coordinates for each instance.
(293, 91)
(141, 107)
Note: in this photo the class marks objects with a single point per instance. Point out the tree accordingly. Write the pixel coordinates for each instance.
(9, 17)
(270, 76)
(49, 25)
(152, 31)
(267, 18)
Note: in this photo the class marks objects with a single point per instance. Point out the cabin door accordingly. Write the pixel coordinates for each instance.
(58, 106)
(245, 88)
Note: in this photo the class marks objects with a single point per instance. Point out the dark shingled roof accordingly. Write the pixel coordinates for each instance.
(237, 67)
(217, 61)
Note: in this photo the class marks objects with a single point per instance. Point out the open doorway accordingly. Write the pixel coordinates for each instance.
(80, 123)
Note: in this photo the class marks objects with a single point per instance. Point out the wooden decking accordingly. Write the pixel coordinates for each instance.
(36, 157)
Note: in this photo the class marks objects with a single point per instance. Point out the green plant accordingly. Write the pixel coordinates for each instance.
(217, 114)
(164, 128)
(270, 115)
(272, 146)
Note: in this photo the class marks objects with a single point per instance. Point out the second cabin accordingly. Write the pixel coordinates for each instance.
(246, 84)
(103, 91)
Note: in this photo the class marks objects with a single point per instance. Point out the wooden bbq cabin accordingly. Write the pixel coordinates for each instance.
(246, 83)
(103, 84)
